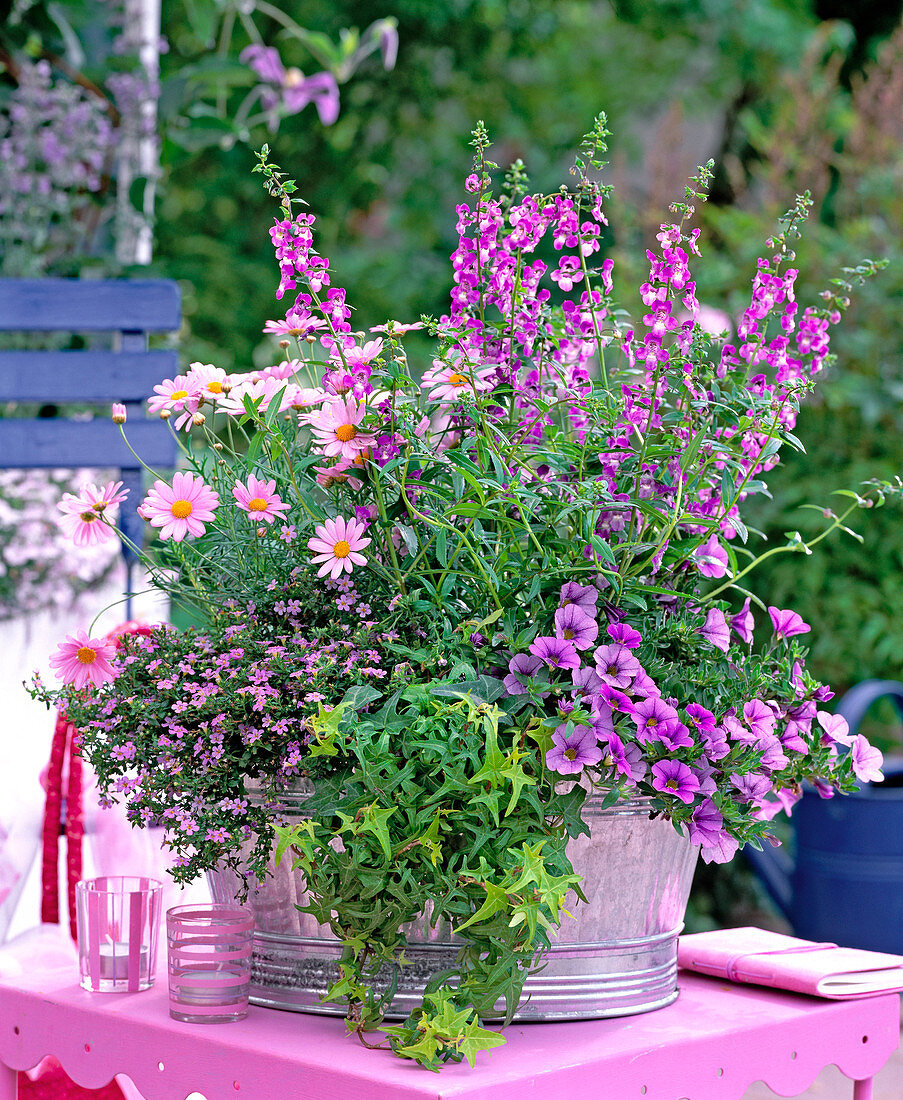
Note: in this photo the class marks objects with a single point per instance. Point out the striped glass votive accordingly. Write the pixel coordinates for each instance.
(209, 950)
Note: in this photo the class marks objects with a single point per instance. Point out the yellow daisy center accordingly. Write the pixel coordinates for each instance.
(88, 517)
(341, 549)
(214, 387)
(462, 380)
(86, 655)
(345, 432)
(177, 395)
(257, 504)
(181, 509)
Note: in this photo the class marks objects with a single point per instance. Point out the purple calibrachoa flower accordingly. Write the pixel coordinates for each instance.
(556, 652)
(866, 759)
(711, 558)
(787, 623)
(752, 787)
(836, 727)
(644, 685)
(743, 623)
(652, 717)
(675, 735)
(625, 757)
(521, 669)
(586, 681)
(705, 824)
(673, 777)
(701, 719)
(760, 718)
(579, 595)
(624, 635)
(716, 631)
(715, 743)
(616, 665)
(572, 624)
(571, 752)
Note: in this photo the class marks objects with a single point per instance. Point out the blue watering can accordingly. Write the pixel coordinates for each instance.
(846, 885)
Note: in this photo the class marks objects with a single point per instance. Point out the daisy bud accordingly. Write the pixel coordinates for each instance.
(283, 343)
(310, 339)
(261, 532)
(226, 387)
(119, 414)
(165, 414)
(217, 446)
(198, 419)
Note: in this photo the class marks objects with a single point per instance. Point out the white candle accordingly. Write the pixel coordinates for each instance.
(114, 961)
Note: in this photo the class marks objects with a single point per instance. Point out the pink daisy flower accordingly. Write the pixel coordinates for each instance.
(358, 356)
(336, 426)
(180, 509)
(328, 476)
(259, 499)
(448, 382)
(336, 543)
(175, 395)
(396, 328)
(296, 323)
(208, 382)
(83, 515)
(80, 660)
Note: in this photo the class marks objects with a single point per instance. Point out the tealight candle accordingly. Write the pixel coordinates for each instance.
(114, 960)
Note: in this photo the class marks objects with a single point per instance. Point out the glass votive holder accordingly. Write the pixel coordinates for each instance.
(117, 919)
(209, 951)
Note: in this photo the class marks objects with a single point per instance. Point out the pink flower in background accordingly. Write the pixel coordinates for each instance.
(182, 508)
(787, 623)
(447, 382)
(297, 322)
(259, 499)
(289, 89)
(337, 544)
(118, 413)
(743, 623)
(711, 558)
(336, 427)
(716, 631)
(80, 660)
(867, 760)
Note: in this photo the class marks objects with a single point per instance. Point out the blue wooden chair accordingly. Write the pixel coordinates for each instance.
(115, 364)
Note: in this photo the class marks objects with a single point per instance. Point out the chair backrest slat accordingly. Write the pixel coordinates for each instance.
(88, 305)
(27, 444)
(89, 376)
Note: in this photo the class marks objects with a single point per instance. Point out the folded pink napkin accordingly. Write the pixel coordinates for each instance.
(761, 957)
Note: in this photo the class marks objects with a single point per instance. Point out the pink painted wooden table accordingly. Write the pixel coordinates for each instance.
(710, 1045)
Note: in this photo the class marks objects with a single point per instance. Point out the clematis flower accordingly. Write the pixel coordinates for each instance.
(182, 508)
(571, 752)
(673, 777)
(555, 652)
(337, 544)
(711, 558)
(743, 623)
(786, 624)
(574, 625)
(867, 760)
(259, 499)
(289, 89)
(80, 660)
(715, 630)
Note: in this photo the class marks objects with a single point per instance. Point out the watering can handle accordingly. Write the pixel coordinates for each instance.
(773, 866)
(858, 699)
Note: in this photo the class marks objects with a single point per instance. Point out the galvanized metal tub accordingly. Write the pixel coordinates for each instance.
(617, 957)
